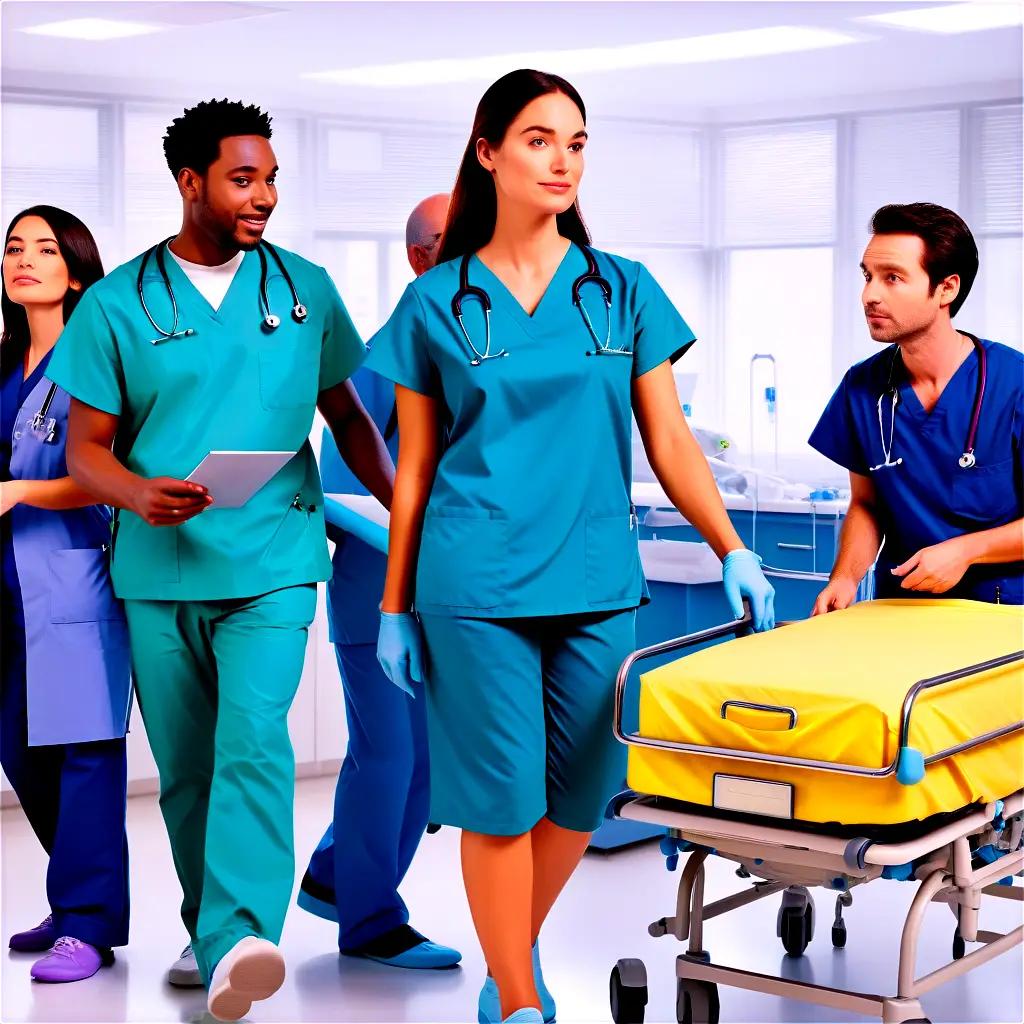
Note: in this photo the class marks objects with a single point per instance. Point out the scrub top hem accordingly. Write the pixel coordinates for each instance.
(534, 611)
(254, 587)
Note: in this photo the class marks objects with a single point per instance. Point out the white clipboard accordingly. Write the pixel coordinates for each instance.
(232, 478)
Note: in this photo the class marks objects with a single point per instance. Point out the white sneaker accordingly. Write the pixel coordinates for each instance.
(251, 970)
(184, 972)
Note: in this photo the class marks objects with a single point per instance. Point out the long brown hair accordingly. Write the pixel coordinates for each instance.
(82, 256)
(474, 206)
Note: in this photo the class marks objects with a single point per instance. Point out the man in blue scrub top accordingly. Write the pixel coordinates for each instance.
(216, 341)
(931, 428)
(383, 795)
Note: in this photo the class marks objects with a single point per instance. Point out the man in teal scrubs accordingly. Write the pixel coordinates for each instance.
(234, 347)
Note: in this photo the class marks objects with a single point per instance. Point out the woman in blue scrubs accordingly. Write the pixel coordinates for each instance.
(931, 428)
(65, 681)
(518, 362)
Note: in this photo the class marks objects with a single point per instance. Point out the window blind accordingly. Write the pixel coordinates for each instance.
(778, 184)
(907, 157)
(643, 185)
(56, 154)
(999, 169)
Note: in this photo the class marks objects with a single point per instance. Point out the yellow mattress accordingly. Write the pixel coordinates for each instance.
(845, 676)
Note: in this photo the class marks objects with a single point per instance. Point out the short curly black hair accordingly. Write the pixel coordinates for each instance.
(193, 140)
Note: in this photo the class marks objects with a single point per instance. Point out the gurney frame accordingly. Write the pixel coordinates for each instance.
(787, 858)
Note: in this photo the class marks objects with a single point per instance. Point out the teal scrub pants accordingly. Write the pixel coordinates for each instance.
(215, 681)
(520, 715)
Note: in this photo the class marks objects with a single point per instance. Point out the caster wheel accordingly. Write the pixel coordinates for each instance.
(696, 1002)
(959, 946)
(839, 936)
(918, 1020)
(628, 991)
(797, 928)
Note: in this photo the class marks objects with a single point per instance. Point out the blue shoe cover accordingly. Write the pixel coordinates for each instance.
(489, 1005)
(425, 956)
(527, 1015)
(319, 908)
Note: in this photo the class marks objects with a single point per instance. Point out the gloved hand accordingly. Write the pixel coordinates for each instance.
(400, 649)
(742, 578)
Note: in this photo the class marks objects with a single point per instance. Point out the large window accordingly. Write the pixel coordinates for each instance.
(993, 309)
(779, 304)
(58, 154)
(777, 267)
(755, 231)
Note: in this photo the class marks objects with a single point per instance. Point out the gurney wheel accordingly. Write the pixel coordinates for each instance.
(696, 1002)
(796, 928)
(628, 991)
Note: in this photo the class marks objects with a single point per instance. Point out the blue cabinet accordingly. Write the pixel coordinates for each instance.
(793, 542)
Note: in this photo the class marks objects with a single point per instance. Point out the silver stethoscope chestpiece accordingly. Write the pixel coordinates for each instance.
(300, 312)
(967, 460)
(271, 321)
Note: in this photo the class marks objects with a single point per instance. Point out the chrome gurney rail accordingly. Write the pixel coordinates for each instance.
(912, 766)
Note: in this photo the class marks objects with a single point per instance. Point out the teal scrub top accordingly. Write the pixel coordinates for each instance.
(530, 512)
(230, 386)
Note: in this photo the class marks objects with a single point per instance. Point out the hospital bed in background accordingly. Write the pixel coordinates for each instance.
(885, 741)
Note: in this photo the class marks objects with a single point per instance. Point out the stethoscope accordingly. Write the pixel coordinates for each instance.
(270, 321)
(967, 460)
(42, 426)
(591, 275)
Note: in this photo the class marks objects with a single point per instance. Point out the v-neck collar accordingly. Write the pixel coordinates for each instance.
(530, 322)
(179, 280)
(938, 411)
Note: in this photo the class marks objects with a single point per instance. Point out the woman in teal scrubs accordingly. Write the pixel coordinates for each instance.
(518, 363)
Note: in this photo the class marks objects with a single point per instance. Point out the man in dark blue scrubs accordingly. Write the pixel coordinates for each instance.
(931, 428)
(383, 794)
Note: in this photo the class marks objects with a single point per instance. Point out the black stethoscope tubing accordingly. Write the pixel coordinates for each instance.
(590, 276)
(967, 460)
(270, 320)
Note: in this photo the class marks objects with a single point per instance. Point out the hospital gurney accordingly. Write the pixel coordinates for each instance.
(886, 741)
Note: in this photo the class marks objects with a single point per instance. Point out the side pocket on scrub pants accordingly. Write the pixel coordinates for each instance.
(463, 553)
(80, 587)
(613, 559)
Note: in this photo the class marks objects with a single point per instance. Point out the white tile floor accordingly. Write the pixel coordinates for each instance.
(603, 916)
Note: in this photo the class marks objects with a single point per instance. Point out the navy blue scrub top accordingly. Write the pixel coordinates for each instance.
(929, 497)
(14, 389)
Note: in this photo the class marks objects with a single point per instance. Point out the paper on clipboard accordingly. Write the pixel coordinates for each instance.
(232, 478)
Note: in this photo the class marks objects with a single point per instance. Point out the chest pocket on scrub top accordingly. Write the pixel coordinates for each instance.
(289, 371)
(986, 494)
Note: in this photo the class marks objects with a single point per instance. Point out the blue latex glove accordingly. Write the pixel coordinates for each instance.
(400, 649)
(742, 578)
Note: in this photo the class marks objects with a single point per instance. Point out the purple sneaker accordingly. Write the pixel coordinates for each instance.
(71, 960)
(35, 940)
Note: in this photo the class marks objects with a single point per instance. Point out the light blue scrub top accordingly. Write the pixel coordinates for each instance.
(530, 510)
(929, 497)
(230, 386)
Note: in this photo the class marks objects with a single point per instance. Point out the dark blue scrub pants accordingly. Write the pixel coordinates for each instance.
(381, 802)
(73, 795)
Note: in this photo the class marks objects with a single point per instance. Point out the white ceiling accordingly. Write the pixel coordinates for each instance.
(258, 51)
